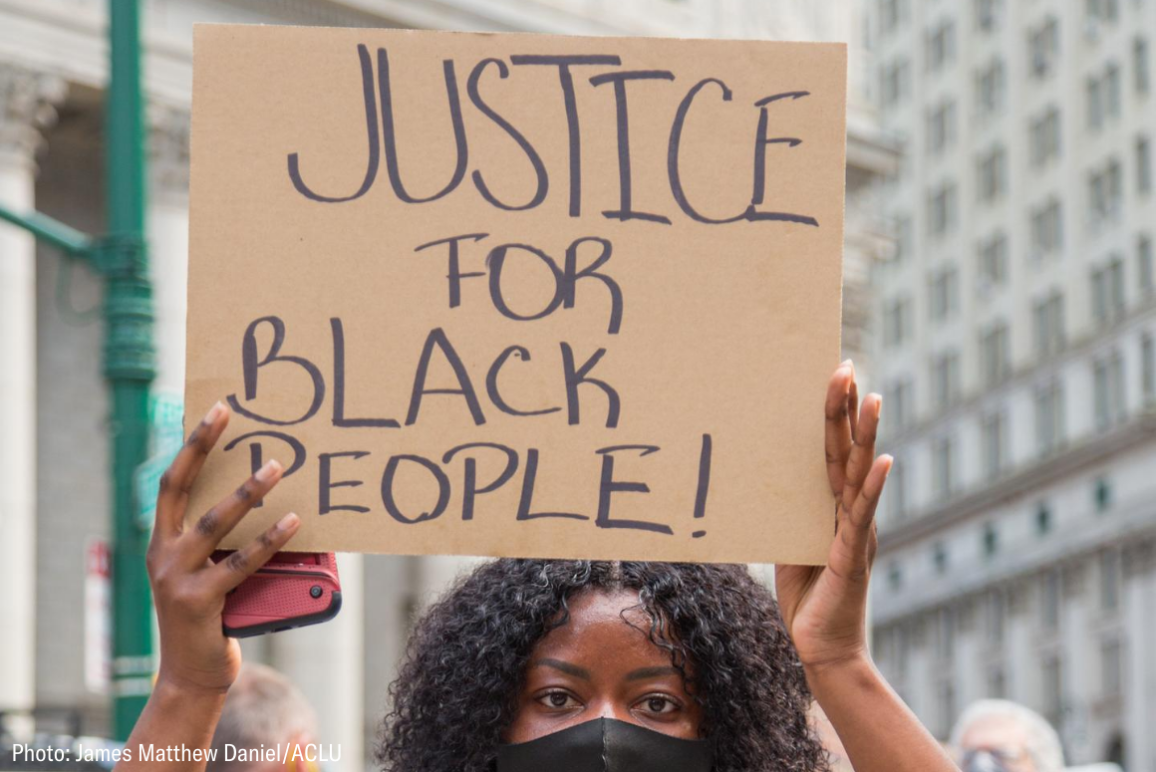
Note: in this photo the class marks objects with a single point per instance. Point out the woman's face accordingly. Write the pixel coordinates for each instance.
(601, 664)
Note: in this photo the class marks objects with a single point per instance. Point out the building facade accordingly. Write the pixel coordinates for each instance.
(54, 460)
(1015, 352)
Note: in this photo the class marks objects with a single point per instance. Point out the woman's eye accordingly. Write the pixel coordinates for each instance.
(659, 705)
(557, 700)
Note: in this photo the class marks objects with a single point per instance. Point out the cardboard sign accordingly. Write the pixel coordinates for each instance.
(519, 295)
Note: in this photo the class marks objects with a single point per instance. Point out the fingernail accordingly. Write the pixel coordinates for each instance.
(288, 522)
(214, 413)
(890, 463)
(265, 473)
(846, 363)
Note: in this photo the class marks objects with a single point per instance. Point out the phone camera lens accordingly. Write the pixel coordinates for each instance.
(315, 591)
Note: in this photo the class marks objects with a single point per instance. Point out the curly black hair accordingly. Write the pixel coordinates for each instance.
(465, 662)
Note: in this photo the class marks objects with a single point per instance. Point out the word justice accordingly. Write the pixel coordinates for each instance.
(703, 95)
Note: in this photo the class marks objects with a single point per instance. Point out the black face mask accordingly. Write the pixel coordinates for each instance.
(606, 745)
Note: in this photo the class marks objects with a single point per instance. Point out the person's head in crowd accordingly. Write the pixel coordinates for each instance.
(263, 707)
(517, 652)
(1003, 736)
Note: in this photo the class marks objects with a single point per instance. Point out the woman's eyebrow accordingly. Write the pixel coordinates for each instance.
(565, 667)
(651, 672)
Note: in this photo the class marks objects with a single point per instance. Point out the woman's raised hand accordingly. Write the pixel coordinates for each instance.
(188, 588)
(825, 607)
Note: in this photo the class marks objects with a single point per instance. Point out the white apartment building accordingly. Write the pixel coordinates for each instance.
(1016, 352)
(54, 486)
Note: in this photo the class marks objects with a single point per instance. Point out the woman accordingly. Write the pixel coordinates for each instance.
(575, 665)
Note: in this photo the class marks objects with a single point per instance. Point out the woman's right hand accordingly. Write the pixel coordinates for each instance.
(188, 588)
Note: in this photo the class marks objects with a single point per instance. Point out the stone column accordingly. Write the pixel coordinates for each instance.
(26, 106)
(1139, 668)
(168, 235)
(328, 663)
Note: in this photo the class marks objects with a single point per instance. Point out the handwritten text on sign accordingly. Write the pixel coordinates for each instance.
(519, 295)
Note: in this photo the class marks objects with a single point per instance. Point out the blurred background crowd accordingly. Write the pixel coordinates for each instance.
(1000, 292)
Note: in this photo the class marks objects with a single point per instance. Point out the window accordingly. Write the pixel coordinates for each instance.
(1105, 194)
(1142, 77)
(1049, 417)
(990, 540)
(1143, 166)
(1044, 47)
(994, 617)
(895, 82)
(1108, 291)
(1102, 10)
(892, 13)
(1102, 494)
(996, 683)
(941, 204)
(940, 46)
(1111, 671)
(992, 261)
(903, 239)
(1109, 580)
(945, 382)
(990, 86)
(943, 467)
(1053, 694)
(1108, 390)
(945, 633)
(939, 557)
(895, 576)
(1148, 367)
(1048, 322)
(987, 14)
(1103, 97)
(993, 439)
(941, 129)
(991, 175)
(1050, 601)
(1047, 231)
(946, 707)
(944, 294)
(1043, 518)
(898, 399)
(1144, 263)
(995, 353)
(1044, 135)
(896, 322)
(896, 493)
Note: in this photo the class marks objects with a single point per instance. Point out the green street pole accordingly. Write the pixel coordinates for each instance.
(121, 258)
(128, 363)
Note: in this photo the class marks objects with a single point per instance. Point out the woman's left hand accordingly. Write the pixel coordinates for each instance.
(825, 607)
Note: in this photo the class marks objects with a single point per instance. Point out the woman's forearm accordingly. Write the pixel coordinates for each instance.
(182, 720)
(879, 732)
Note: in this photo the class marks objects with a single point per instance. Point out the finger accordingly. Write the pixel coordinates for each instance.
(838, 431)
(203, 538)
(178, 479)
(853, 403)
(863, 449)
(851, 556)
(241, 564)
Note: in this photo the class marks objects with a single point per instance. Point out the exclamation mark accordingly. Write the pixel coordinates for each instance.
(703, 483)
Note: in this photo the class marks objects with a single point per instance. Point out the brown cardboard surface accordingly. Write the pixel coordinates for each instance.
(717, 338)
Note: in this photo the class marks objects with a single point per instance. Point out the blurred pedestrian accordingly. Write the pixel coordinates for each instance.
(1003, 736)
(263, 710)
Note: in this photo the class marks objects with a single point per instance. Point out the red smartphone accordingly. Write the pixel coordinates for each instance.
(293, 589)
